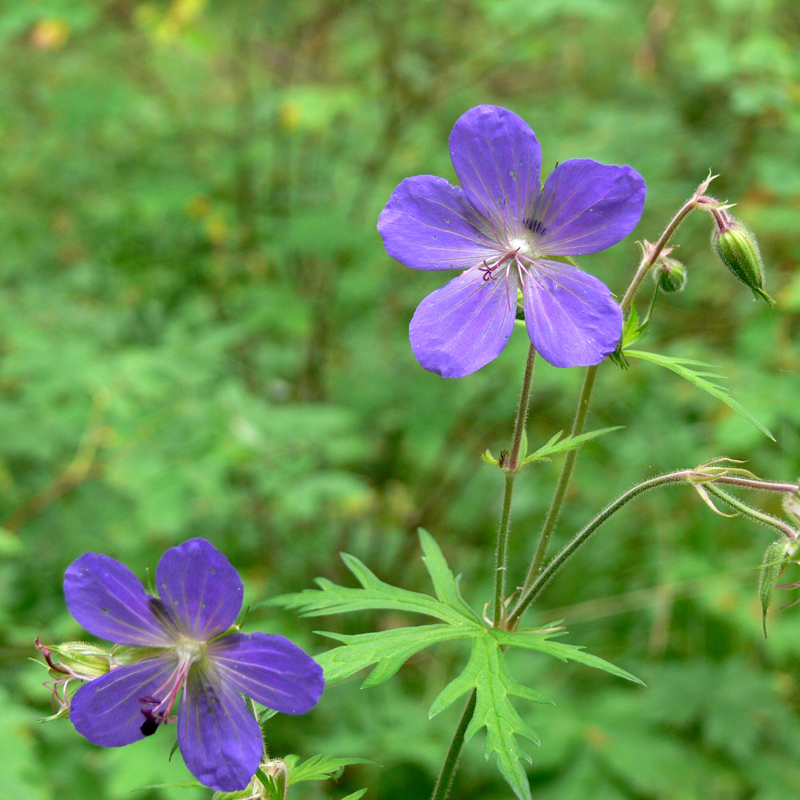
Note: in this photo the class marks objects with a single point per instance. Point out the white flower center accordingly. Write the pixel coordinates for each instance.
(523, 246)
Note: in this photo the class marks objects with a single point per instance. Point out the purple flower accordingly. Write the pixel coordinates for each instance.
(184, 645)
(506, 232)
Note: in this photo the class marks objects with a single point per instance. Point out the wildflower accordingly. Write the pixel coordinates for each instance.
(182, 643)
(507, 234)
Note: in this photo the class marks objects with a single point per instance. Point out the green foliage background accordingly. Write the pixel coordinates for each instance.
(201, 335)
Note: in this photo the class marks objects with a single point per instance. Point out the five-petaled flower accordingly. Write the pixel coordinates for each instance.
(189, 649)
(506, 233)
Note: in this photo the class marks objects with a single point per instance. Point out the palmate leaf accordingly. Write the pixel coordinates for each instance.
(683, 367)
(486, 672)
(569, 442)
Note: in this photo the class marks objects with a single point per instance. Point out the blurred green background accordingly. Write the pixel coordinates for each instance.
(201, 335)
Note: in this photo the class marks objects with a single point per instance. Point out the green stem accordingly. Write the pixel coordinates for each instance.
(758, 485)
(563, 480)
(645, 265)
(655, 250)
(580, 538)
(445, 779)
(653, 299)
(502, 551)
(510, 465)
(752, 513)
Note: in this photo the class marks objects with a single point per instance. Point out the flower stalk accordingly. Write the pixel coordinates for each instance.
(705, 474)
(649, 258)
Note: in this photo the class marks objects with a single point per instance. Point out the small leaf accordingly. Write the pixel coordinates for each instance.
(631, 331)
(489, 458)
(355, 795)
(569, 442)
(523, 446)
(772, 565)
(321, 768)
(683, 367)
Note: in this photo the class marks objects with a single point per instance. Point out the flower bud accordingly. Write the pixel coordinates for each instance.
(737, 247)
(70, 662)
(669, 274)
(76, 659)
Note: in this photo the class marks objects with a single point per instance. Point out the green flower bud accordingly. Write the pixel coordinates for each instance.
(669, 274)
(76, 659)
(737, 247)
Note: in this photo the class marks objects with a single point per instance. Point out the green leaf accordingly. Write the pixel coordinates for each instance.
(375, 594)
(631, 332)
(772, 565)
(444, 583)
(487, 673)
(489, 458)
(319, 768)
(388, 649)
(569, 442)
(355, 795)
(683, 367)
(566, 652)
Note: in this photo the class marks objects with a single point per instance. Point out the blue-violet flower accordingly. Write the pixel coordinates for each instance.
(187, 649)
(506, 233)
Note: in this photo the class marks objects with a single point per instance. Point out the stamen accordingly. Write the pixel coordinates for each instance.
(157, 708)
(488, 272)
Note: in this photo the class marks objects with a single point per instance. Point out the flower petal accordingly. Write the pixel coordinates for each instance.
(498, 160)
(427, 224)
(108, 710)
(586, 206)
(572, 319)
(219, 738)
(464, 325)
(200, 588)
(270, 669)
(110, 602)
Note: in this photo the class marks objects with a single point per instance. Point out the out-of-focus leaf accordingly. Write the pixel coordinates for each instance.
(569, 442)
(772, 565)
(683, 367)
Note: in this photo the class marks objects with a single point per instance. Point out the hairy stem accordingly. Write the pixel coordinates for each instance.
(563, 480)
(580, 538)
(445, 779)
(752, 513)
(564, 477)
(510, 465)
(654, 251)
